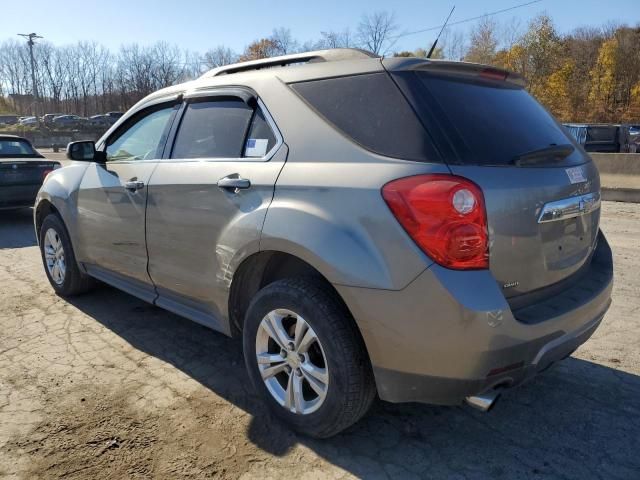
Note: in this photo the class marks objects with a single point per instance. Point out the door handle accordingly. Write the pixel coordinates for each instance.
(133, 185)
(234, 183)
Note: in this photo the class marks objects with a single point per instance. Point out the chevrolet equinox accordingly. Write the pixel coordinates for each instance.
(401, 228)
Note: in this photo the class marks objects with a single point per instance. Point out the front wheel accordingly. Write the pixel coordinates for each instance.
(59, 260)
(306, 358)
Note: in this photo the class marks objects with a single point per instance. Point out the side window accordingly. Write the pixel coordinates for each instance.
(370, 110)
(213, 129)
(141, 140)
(261, 138)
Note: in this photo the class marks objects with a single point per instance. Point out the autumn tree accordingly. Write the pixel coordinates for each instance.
(420, 53)
(588, 74)
(601, 95)
(543, 51)
(263, 48)
(483, 42)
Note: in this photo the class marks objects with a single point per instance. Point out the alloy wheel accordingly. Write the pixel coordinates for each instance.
(292, 362)
(54, 256)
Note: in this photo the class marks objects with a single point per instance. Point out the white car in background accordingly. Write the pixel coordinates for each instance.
(29, 121)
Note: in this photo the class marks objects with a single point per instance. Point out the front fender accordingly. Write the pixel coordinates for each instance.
(60, 190)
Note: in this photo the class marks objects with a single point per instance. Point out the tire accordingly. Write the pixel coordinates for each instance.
(73, 281)
(337, 354)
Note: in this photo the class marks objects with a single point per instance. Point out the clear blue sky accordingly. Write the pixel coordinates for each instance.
(200, 24)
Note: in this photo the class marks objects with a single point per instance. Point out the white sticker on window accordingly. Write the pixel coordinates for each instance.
(576, 175)
(256, 147)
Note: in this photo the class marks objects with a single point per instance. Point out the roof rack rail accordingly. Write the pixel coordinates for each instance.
(330, 55)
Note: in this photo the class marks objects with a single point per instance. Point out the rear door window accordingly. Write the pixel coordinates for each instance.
(213, 129)
(370, 110)
(485, 122)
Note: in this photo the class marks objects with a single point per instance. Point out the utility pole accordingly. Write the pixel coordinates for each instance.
(34, 87)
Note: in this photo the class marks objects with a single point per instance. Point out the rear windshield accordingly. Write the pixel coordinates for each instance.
(370, 110)
(484, 122)
(11, 148)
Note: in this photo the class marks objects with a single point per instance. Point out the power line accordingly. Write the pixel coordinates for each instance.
(470, 19)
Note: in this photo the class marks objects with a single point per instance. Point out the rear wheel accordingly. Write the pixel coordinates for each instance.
(58, 259)
(306, 358)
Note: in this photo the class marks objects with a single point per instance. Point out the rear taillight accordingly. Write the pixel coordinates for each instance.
(45, 173)
(445, 215)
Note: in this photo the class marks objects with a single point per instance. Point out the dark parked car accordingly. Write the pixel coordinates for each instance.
(48, 118)
(603, 138)
(68, 121)
(22, 171)
(9, 119)
(101, 121)
(114, 115)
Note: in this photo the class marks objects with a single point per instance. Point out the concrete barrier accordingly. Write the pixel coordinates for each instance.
(619, 176)
(47, 139)
(619, 163)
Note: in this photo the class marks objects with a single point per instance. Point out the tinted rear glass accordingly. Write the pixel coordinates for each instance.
(370, 110)
(488, 123)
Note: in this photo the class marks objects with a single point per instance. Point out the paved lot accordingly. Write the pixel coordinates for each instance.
(105, 386)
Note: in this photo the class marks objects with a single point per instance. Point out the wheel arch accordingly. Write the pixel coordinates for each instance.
(42, 210)
(265, 267)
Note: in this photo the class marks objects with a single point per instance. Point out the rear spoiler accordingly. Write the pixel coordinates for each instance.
(453, 69)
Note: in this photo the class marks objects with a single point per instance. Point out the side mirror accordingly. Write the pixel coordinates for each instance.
(84, 151)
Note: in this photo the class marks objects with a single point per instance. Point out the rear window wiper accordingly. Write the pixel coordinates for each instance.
(552, 153)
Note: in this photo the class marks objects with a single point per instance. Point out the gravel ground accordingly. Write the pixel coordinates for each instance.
(106, 386)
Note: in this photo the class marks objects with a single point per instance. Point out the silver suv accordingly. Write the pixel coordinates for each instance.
(403, 228)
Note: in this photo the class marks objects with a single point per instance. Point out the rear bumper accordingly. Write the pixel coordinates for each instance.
(451, 334)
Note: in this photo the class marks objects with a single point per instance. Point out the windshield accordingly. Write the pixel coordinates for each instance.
(17, 148)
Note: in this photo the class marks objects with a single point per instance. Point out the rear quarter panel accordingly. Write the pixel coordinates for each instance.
(328, 208)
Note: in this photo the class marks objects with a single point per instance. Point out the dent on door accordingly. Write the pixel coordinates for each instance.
(198, 231)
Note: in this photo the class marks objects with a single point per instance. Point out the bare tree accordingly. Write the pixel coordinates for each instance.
(452, 44)
(332, 39)
(283, 41)
(375, 30)
(168, 65)
(510, 33)
(219, 56)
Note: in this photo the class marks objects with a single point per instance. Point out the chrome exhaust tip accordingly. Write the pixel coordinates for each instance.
(483, 402)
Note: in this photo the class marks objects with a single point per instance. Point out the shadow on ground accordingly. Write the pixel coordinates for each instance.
(16, 228)
(578, 420)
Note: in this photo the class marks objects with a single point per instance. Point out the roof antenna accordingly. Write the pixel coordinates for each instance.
(433, 47)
